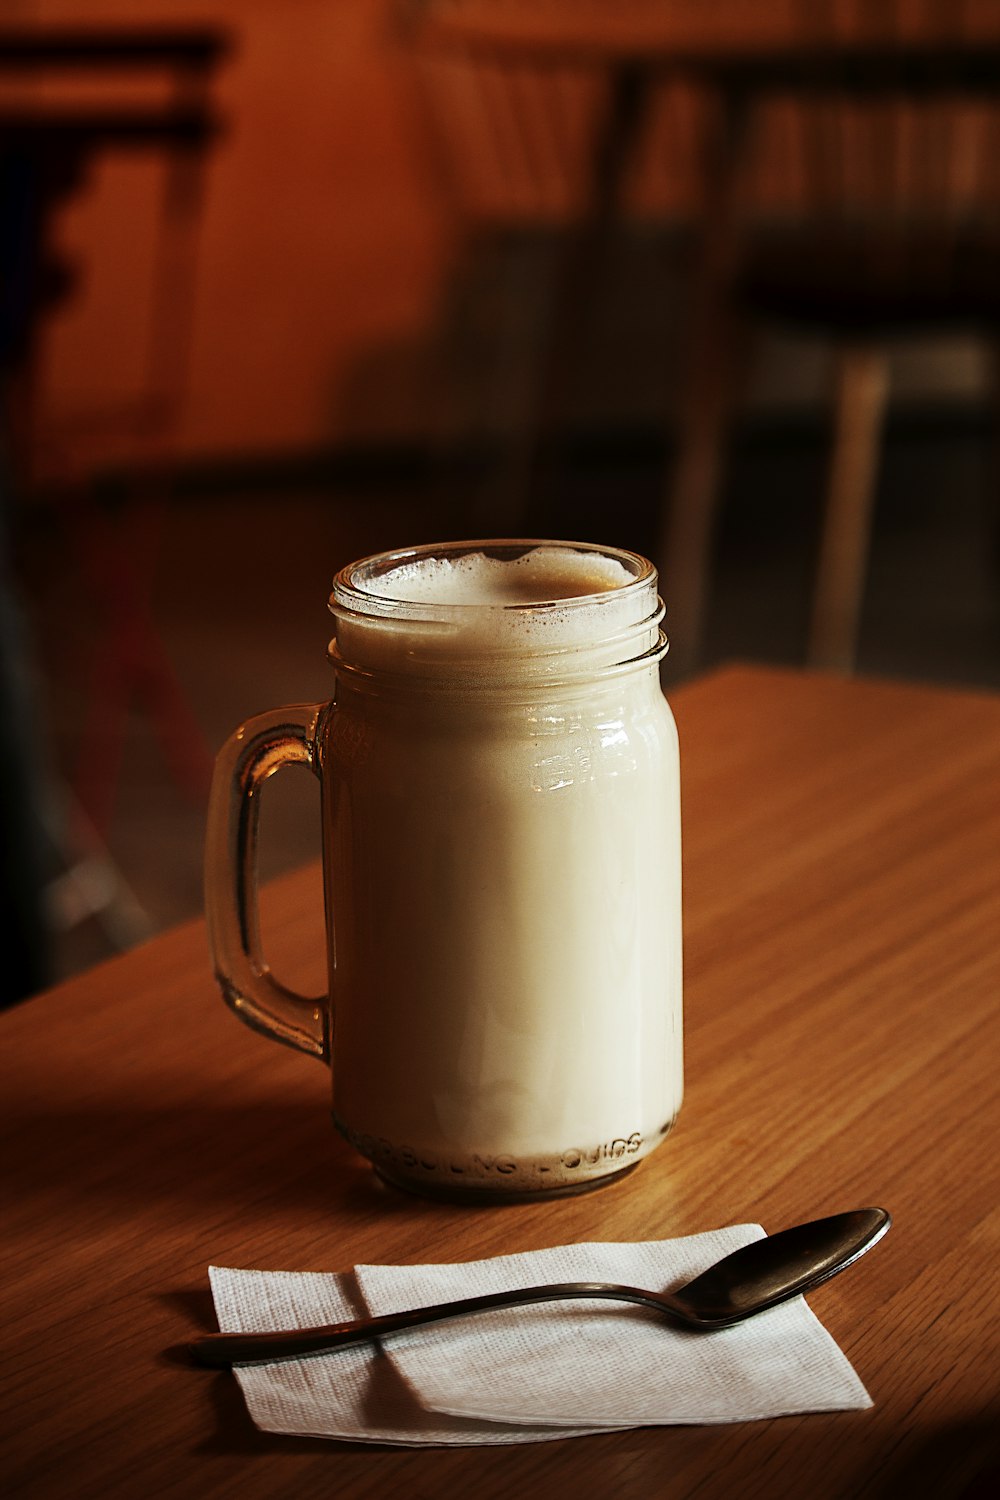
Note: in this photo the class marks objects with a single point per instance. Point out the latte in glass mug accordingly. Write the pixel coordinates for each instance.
(501, 845)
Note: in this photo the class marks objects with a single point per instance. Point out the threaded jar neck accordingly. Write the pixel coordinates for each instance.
(482, 614)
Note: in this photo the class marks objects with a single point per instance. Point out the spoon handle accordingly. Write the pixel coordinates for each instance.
(259, 1348)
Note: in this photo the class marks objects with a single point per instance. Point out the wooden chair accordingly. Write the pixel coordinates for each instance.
(48, 145)
(852, 188)
(47, 149)
(532, 133)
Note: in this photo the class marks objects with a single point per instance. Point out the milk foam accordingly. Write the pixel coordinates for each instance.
(536, 577)
(480, 601)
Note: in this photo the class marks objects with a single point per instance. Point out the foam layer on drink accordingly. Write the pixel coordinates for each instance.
(494, 601)
(541, 576)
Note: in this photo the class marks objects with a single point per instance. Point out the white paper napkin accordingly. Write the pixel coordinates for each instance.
(355, 1394)
(526, 1374)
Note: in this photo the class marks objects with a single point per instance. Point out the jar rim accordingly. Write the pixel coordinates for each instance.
(351, 595)
(494, 644)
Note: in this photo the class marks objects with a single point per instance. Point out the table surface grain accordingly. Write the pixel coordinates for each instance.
(842, 927)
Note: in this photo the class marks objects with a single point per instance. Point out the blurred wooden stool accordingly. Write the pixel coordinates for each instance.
(851, 191)
(46, 151)
(48, 144)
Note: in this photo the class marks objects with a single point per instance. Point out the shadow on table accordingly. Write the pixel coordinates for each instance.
(958, 1461)
(208, 1158)
(841, 1453)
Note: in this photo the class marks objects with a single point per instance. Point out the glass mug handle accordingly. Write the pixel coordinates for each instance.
(261, 746)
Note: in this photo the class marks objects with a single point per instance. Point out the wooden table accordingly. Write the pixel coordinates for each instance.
(842, 861)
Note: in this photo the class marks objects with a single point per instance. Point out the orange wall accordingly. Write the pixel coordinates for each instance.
(322, 239)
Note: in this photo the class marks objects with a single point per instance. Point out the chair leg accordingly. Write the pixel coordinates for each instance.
(683, 551)
(862, 387)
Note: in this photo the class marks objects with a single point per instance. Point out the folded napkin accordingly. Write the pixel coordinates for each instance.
(532, 1373)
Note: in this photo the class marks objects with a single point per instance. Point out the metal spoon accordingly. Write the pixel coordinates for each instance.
(769, 1271)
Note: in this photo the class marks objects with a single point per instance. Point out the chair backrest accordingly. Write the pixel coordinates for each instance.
(68, 96)
(510, 131)
(882, 112)
(864, 107)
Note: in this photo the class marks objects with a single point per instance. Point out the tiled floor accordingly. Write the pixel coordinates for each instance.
(241, 582)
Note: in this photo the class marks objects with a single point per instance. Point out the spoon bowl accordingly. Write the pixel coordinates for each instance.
(746, 1282)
